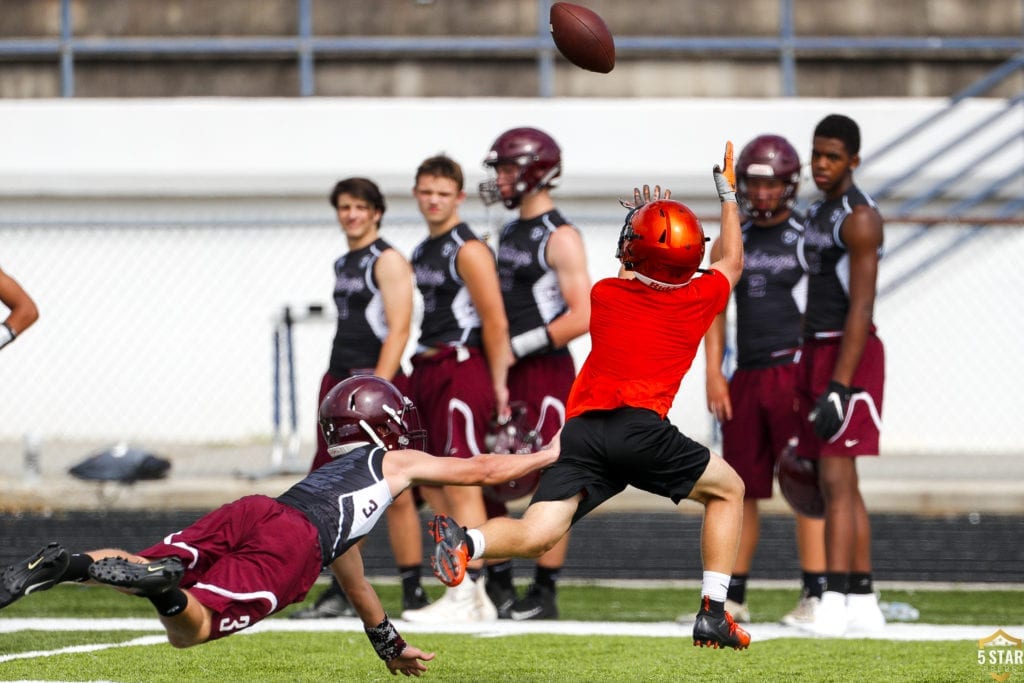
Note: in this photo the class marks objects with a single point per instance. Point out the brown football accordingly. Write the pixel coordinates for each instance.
(582, 37)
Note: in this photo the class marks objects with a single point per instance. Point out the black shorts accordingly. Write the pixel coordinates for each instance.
(603, 451)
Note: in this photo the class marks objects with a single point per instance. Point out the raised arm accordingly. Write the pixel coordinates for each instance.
(717, 387)
(730, 262)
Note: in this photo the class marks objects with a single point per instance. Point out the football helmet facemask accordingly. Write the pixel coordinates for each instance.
(535, 154)
(663, 242)
(367, 409)
(767, 156)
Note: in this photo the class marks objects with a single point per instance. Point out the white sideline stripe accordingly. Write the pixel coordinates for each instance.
(671, 629)
(71, 649)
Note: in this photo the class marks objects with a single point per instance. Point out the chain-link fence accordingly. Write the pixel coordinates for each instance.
(157, 321)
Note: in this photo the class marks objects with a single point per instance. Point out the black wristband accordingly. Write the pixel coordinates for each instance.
(386, 640)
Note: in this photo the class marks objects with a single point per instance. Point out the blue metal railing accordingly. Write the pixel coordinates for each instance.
(305, 46)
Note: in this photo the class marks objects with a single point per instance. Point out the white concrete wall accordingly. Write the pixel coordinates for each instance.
(163, 333)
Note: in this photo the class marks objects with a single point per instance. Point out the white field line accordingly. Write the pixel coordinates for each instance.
(759, 632)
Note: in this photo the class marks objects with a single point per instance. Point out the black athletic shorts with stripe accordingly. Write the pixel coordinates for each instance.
(603, 451)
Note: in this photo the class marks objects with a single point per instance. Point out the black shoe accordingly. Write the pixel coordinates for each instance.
(141, 578)
(37, 573)
(718, 631)
(416, 599)
(538, 603)
(331, 604)
(502, 597)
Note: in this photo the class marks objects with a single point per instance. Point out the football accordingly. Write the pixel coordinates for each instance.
(582, 37)
(798, 481)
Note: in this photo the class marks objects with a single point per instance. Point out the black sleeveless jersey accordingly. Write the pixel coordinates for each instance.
(449, 316)
(828, 261)
(771, 295)
(529, 286)
(362, 326)
(344, 499)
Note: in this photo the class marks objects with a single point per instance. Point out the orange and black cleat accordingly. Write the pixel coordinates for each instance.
(714, 631)
(451, 556)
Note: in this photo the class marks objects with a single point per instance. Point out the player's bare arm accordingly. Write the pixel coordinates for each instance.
(394, 277)
(730, 262)
(716, 385)
(566, 254)
(862, 234)
(408, 467)
(23, 311)
(477, 269)
(350, 574)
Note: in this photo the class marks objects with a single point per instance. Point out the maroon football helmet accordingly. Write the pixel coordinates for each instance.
(366, 408)
(663, 241)
(535, 154)
(798, 482)
(768, 156)
(513, 436)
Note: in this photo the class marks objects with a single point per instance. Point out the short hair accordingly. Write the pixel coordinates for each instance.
(442, 166)
(841, 128)
(360, 188)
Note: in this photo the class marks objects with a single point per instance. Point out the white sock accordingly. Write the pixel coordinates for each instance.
(479, 544)
(715, 585)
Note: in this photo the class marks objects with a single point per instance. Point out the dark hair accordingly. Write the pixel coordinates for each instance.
(442, 166)
(360, 188)
(841, 128)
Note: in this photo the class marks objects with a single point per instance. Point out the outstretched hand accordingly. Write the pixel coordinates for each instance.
(644, 197)
(409, 661)
(725, 176)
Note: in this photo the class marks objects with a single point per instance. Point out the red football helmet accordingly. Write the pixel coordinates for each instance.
(663, 241)
(767, 156)
(366, 408)
(534, 152)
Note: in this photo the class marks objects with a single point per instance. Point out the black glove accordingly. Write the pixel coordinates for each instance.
(830, 410)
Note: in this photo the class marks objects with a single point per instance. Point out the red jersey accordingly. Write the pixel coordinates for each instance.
(643, 342)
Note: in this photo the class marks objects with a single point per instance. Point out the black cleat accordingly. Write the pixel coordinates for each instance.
(538, 603)
(39, 572)
(417, 599)
(140, 578)
(502, 597)
(718, 631)
(331, 604)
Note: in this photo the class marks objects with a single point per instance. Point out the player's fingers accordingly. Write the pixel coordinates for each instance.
(647, 193)
(729, 170)
(668, 193)
(637, 198)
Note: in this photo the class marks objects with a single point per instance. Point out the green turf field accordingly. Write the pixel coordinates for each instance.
(664, 653)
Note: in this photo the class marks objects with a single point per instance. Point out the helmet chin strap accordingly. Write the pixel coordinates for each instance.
(373, 435)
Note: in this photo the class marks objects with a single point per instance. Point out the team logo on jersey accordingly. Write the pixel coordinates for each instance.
(363, 262)
(537, 233)
(790, 237)
(447, 250)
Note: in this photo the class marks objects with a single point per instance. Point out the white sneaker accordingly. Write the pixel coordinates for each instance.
(803, 613)
(458, 605)
(485, 608)
(863, 615)
(829, 616)
(739, 611)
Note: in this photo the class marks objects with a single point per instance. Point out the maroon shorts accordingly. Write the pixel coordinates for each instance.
(326, 384)
(541, 382)
(763, 421)
(859, 433)
(245, 560)
(453, 392)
